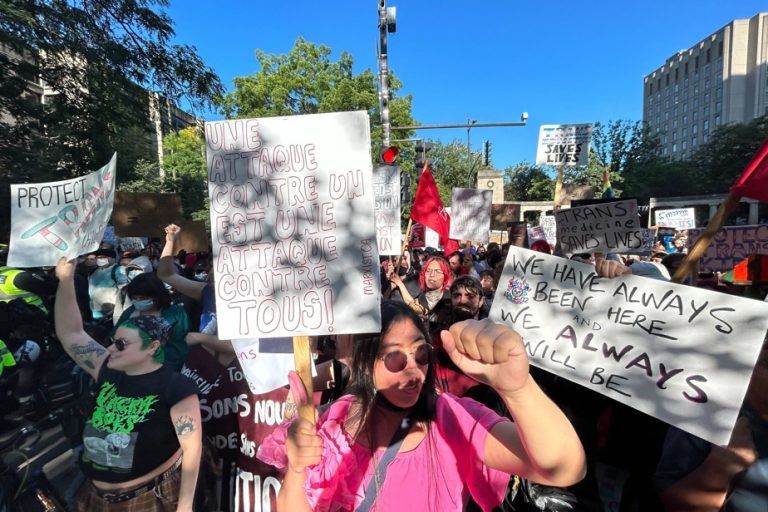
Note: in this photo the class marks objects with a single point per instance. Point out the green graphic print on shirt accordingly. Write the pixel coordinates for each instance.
(109, 438)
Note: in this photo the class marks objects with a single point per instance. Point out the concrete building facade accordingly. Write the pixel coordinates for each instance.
(721, 79)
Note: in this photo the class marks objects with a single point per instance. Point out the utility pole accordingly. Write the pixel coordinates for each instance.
(387, 23)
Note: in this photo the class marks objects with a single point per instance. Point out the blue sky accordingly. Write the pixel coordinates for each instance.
(560, 61)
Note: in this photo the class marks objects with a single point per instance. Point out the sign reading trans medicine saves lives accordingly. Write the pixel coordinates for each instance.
(564, 144)
(681, 354)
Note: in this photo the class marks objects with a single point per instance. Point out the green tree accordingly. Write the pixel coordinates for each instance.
(528, 182)
(307, 81)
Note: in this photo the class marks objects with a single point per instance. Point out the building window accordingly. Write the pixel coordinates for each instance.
(658, 119)
(706, 70)
(706, 125)
(677, 100)
(683, 155)
(658, 84)
(696, 63)
(650, 101)
(685, 119)
(650, 92)
(695, 116)
(719, 77)
(666, 80)
(685, 82)
(664, 140)
(664, 152)
(706, 111)
(720, 49)
(684, 145)
(666, 116)
(718, 107)
(694, 141)
(677, 74)
(695, 102)
(696, 89)
(685, 107)
(717, 120)
(685, 72)
(666, 103)
(684, 133)
(677, 87)
(704, 138)
(707, 84)
(685, 94)
(674, 146)
(694, 129)
(709, 56)
(719, 93)
(674, 112)
(658, 108)
(674, 124)
(707, 97)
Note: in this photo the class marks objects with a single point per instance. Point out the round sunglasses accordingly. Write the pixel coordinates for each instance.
(396, 360)
(119, 343)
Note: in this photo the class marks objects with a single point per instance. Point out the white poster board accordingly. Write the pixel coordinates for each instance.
(60, 218)
(680, 218)
(471, 214)
(386, 190)
(602, 227)
(549, 225)
(564, 144)
(265, 362)
(292, 225)
(681, 354)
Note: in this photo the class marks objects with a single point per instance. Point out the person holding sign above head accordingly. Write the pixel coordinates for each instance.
(393, 443)
(143, 439)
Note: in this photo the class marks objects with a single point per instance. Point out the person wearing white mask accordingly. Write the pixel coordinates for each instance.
(104, 284)
(133, 268)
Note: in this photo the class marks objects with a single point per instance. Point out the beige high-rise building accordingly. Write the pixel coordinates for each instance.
(721, 79)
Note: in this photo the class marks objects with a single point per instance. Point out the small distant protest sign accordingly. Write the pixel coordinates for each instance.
(730, 246)
(681, 354)
(471, 214)
(549, 225)
(265, 362)
(61, 218)
(386, 190)
(602, 227)
(564, 144)
(292, 225)
(680, 218)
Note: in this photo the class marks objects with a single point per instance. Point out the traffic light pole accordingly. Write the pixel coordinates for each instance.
(383, 73)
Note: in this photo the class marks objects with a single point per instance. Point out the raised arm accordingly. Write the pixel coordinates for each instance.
(166, 270)
(83, 349)
(185, 416)
(541, 444)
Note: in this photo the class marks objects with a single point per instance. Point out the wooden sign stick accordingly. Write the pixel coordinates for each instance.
(302, 360)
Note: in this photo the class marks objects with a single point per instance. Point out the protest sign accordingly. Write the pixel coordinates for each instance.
(681, 354)
(471, 214)
(549, 225)
(61, 218)
(518, 234)
(604, 227)
(563, 144)
(386, 190)
(503, 214)
(681, 218)
(292, 225)
(132, 243)
(193, 236)
(731, 245)
(265, 363)
(145, 213)
(417, 236)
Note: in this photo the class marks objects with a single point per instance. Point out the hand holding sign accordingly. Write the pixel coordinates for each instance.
(489, 353)
(303, 446)
(610, 268)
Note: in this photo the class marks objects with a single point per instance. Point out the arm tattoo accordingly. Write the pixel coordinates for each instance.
(84, 353)
(184, 425)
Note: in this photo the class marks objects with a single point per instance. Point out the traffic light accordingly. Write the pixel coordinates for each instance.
(421, 154)
(389, 155)
(405, 188)
(487, 151)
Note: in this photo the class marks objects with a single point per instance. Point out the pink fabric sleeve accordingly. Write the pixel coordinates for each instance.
(465, 424)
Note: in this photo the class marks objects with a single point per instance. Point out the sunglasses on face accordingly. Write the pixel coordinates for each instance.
(119, 343)
(397, 360)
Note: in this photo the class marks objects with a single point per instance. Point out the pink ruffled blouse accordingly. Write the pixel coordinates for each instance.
(439, 474)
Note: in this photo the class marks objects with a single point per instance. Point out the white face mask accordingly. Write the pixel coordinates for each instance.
(102, 262)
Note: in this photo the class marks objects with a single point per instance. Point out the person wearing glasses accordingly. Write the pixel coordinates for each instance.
(433, 303)
(393, 443)
(142, 441)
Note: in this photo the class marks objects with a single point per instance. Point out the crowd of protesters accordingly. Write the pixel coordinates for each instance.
(438, 411)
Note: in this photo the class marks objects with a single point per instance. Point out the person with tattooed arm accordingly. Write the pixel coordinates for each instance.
(143, 439)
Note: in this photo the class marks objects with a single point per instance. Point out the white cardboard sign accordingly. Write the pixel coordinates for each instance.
(60, 218)
(681, 354)
(292, 225)
(471, 214)
(564, 144)
(681, 218)
(265, 362)
(386, 190)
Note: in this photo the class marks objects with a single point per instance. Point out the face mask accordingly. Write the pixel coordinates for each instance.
(133, 273)
(102, 262)
(201, 276)
(143, 305)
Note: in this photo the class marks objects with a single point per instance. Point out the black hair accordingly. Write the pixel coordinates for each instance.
(365, 354)
(469, 283)
(149, 285)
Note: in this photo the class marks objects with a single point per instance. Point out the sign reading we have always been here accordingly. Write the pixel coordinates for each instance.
(603, 227)
(292, 225)
(681, 354)
(61, 218)
(730, 246)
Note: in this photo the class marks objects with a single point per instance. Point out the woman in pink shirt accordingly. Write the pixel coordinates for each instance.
(437, 450)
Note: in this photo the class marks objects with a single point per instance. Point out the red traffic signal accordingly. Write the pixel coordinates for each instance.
(389, 155)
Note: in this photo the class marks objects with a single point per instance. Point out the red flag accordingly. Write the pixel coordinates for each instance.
(428, 209)
(753, 182)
